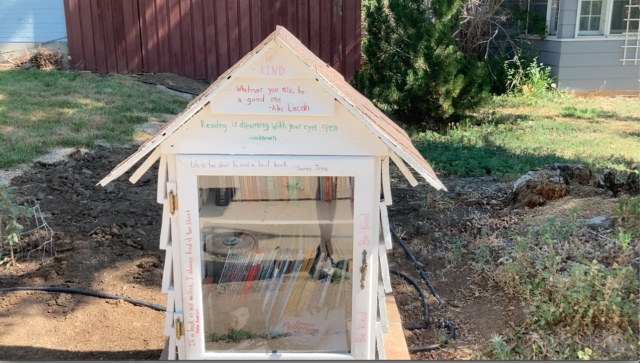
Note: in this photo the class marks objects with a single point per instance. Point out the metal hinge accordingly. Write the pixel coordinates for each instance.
(173, 202)
(179, 329)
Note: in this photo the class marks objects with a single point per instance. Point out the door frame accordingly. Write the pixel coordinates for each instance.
(366, 234)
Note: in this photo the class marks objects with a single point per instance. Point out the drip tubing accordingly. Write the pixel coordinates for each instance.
(415, 263)
(84, 292)
(424, 301)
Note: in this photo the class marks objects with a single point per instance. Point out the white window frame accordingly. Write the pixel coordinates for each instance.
(605, 21)
(363, 168)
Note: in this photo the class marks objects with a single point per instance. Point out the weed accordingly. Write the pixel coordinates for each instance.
(457, 249)
(585, 354)
(500, 348)
(625, 237)
(629, 212)
(10, 228)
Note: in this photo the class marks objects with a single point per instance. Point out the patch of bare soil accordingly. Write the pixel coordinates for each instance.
(445, 230)
(106, 240)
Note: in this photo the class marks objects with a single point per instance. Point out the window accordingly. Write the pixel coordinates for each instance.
(553, 17)
(620, 12)
(590, 17)
(274, 252)
(600, 17)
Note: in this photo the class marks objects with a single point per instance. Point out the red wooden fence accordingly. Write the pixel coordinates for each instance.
(203, 38)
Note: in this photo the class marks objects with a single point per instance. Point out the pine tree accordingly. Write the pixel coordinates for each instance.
(412, 67)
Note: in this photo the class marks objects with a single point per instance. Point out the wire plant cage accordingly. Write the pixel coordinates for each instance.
(35, 240)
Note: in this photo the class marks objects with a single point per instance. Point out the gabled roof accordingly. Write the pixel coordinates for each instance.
(387, 130)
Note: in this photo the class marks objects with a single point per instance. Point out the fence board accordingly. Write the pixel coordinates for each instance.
(203, 38)
(198, 39)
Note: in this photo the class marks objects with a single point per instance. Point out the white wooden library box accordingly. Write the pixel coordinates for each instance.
(274, 184)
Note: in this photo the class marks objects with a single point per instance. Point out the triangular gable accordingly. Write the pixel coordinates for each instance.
(387, 130)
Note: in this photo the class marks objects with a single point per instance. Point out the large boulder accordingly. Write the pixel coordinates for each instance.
(536, 187)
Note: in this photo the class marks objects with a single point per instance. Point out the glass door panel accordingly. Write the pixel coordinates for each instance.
(277, 263)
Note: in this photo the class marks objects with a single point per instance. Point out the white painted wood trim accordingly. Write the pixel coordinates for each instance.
(384, 268)
(384, 220)
(155, 155)
(379, 342)
(162, 181)
(165, 229)
(175, 247)
(172, 346)
(403, 168)
(386, 181)
(191, 275)
(167, 277)
(382, 307)
(366, 234)
(168, 321)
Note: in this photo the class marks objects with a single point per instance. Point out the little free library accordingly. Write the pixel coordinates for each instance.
(275, 186)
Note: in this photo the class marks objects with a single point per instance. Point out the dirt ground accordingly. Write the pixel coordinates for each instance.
(107, 240)
(120, 258)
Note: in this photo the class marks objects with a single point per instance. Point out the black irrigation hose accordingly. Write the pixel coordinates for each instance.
(424, 301)
(84, 292)
(447, 324)
(415, 263)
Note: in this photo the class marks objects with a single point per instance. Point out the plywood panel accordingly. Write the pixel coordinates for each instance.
(277, 97)
(256, 135)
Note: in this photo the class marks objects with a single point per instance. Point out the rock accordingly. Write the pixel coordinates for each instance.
(87, 171)
(600, 222)
(536, 187)
(632, 185)
(140, 231)
(610, 182)
(40, 195)
(27, 65)
(576, 172)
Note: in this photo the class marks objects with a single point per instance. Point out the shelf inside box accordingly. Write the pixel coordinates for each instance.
(278, 212)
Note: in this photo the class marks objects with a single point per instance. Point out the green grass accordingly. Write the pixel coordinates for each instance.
(41, 110)
(511, 135)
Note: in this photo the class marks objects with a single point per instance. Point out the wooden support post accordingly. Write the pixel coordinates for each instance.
(384, 219)
(155, 155)
(168, 321)
(379, 343)
(386, 180)
(162, 182)
(167, 275)
(384, 267)
(382, 307)
(165, 229)
(403, 168)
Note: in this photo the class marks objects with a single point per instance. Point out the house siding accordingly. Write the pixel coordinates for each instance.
(24, 21)
(589, 65)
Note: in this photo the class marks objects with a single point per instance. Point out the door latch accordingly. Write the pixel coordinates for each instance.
(173, 202)
(179, 329)
(363, 269)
